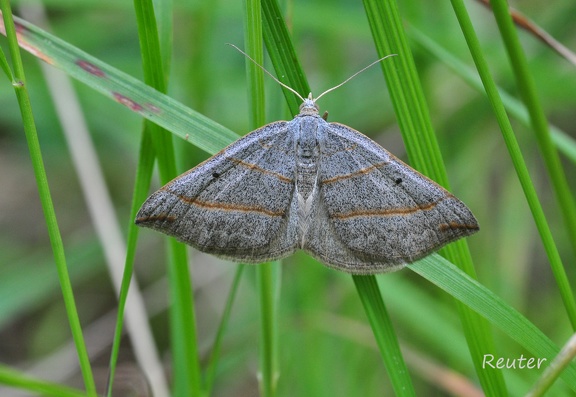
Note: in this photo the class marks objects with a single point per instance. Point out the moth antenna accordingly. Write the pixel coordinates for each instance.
(267, 72)
(354, 75)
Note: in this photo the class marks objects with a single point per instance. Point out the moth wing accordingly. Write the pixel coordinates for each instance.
(375, 213)
(236, 204)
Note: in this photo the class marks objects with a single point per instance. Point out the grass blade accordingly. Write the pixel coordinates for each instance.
(20, 89)
(182, 315)
(471, 293)
(269, 336)
(15, 379)
(562, 141)
(286, 64)
(549, 154)
(125, 89)
(518, 161)
(527, 89)
(424, 153)
(283, 56)
(384, 334)
(210, 373)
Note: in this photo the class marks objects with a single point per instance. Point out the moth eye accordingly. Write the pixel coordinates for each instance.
(398, 181)
(215, 175)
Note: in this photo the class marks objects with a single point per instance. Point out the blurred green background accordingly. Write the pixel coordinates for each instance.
(326, 346)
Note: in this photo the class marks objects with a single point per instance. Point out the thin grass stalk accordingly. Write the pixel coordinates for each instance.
(268, 344)
(384, 334)
(562, 141)
(15, 379)
(269, 372)
(527, 89)
(255, 49)
(20, 89)
(483, 301)
(286, 64)
(549, 154)
(210, 373)
(424, 153)
(102, 214)
(141, 185)
(555, 369)
(271, 17)
(517, 159)
(187, 379)
(283, 55)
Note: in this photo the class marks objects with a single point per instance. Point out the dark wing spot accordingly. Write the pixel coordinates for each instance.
(398, 181)
(215, 175)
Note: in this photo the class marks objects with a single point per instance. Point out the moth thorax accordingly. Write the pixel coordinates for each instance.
(307, 155)
(306, 178)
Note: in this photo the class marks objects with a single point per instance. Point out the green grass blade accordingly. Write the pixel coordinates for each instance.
(539, 122)
(445, 275)
(283, 56)
(15, 379)
(255, 75)
(211, 366)
(144, 172)
(182, 314)
(183, 324)
(125, 89)
(142, 183)
(4, 65)
(518, 161)
(266, 274)
(556, 368)
(286, 64)
(405, 90)
(423, 152)
(563, 142)
(384, 334)
(45, 198)
(268, 338)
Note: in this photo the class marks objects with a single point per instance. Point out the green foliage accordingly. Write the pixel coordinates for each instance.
(310, 331)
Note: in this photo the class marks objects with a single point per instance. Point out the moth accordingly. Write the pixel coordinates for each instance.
(307, 184)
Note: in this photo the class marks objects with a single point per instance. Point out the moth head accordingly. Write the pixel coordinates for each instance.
(309, 106)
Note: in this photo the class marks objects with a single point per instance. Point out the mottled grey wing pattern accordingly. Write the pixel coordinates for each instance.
(308, 184)
(237, 204)
(375, 213)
